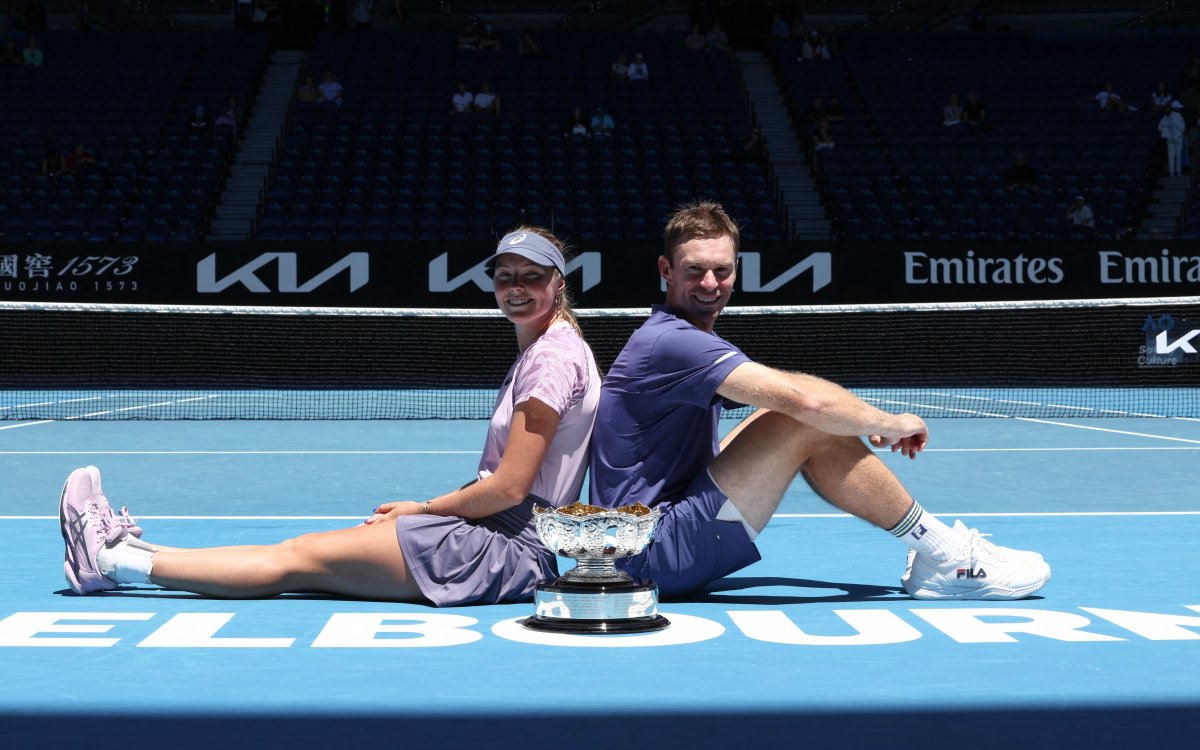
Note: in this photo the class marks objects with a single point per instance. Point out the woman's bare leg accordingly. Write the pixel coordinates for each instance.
(362, 561)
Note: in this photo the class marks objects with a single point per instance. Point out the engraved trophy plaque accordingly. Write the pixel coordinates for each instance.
(595, 596)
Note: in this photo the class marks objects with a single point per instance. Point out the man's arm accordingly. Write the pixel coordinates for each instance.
(823, 405)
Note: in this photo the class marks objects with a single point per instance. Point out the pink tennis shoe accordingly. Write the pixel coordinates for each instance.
(88, 525)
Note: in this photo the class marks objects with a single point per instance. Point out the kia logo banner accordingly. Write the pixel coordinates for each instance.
(452, 274)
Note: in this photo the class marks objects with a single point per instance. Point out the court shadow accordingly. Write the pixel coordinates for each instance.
(718, 592)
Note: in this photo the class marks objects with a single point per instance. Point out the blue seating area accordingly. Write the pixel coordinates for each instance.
(150, 180)
(902, 174)
(394, 163)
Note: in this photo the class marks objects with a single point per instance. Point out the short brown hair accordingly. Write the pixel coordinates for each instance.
(703, 220)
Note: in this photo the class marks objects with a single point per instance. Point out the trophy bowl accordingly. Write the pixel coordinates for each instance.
(595, 537)
(595, 596)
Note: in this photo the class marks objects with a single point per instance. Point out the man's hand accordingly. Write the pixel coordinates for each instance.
(908, 438)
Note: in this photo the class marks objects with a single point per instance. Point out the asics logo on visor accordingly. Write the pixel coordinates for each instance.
(517, 239)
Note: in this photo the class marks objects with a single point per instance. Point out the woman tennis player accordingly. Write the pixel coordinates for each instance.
(474, 544)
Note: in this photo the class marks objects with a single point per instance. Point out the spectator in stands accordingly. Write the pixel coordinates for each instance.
(695, 41)
(33, 54)
(815, 112)
(468, 38)
(53, 163)
(35, 14)
(199, 121)
(814, 47)
(1109, 100)
(79, 161)
(330, 91)
(1160, 99)
(754, 148)
(261, 15)
(638, 71)
(976, 15)
(399, 14)
(577, 126)
(230, 118)
(952, 113)
(716, 40)
(1079, 216)
(476, 544)
(619, 70)
(307, 91)
(1189, 97)
(463, 101)
(487, 101)
(834, 111)
(602, 124)
(1172, 129)
(1020, 175)
(527, 46)
(1191, 74)
(489, 39)
(243, 13)
(975, 114)
(779, 28)
(10, 58)
(361, 14)
(823, 136)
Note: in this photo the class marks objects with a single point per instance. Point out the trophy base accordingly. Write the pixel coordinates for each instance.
(596, 607)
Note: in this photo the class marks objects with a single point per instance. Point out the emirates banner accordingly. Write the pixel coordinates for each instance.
(451, 274)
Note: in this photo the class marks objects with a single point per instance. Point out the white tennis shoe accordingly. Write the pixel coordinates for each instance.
(983, 571)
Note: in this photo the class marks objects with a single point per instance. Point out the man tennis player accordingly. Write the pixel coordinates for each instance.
(655, 441)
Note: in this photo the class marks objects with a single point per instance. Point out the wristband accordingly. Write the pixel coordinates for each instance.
(425, 507)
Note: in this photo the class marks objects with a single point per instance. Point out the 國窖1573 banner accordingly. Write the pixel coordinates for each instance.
(621, 274)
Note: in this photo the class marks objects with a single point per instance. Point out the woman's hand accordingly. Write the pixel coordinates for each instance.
(394, 509)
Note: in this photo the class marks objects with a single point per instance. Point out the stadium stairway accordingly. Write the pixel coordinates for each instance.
(788, 165)
(1165, 214)
(237, 210)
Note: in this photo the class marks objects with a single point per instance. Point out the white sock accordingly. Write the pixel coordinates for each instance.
(927, 535)
(128, 561)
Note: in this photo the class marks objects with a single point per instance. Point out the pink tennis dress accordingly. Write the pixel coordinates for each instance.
(500, 558)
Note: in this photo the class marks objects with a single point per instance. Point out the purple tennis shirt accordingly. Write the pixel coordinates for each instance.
(656, 424)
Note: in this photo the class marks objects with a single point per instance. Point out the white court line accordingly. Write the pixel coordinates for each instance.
(76, 417)
(208, 518)
(1066, 514)
(26, 424)
(240, 453)
(966, 397)
(50, 403)
(1106, 429)
(1046, 450)
(473, 453)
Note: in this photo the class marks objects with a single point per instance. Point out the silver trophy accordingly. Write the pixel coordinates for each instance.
(595, 596)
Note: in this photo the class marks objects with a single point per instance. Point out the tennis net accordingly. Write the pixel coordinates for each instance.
(1026, 359)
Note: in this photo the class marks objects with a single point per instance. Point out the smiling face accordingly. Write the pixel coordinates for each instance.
(525, 291)
(700, 275)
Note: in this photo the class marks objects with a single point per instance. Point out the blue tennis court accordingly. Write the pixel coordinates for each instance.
(814, 645)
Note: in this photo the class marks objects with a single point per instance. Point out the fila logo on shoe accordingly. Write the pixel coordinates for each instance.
(968, 573)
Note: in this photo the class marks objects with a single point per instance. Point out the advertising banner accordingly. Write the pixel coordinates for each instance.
(451, 274)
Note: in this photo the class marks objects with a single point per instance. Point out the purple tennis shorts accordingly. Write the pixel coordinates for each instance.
(691, 548)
